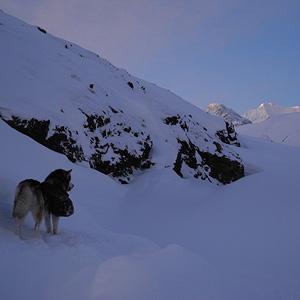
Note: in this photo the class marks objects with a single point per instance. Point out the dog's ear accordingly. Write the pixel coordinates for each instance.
(69, 173)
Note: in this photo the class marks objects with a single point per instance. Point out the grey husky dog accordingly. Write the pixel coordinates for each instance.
(44, 199)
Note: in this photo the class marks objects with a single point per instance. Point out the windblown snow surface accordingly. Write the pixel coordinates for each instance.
(159, 237)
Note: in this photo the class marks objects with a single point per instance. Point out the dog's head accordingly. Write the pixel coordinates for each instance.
(61, 179)
(68, 176)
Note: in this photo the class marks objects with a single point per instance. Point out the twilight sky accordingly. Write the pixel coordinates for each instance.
(240, 53)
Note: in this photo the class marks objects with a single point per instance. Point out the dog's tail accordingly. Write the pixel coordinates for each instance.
(28, 196)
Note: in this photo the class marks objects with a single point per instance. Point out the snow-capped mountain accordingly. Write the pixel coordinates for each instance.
(267, 110)
(280, 128)
(280, 125)
(228, 114)
(77, 103)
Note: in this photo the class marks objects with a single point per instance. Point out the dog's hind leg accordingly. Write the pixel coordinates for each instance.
(48, 222)
(19, 222)
(22, 205)
(55, 220)
(37, 209)
(38, 220)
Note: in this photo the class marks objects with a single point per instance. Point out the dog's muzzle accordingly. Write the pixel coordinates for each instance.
(71, 185)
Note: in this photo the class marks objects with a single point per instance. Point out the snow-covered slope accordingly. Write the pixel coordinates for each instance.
(281, 128)
(228, 114)
(267, 110)
(76, 103)
(85, 261)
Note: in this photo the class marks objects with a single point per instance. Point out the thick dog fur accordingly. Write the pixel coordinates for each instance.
(29, 197)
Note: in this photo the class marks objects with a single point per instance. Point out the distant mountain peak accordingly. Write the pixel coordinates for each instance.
(267, 110)
(228, 114)
(214, 104)
(268, 104)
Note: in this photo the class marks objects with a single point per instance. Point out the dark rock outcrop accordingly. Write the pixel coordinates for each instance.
(228, 136)
(108, 155)
(61, 139)
(206, 163)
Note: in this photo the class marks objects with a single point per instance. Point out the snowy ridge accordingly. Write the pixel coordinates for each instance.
(76, 103)
(271, 122)
(281, 128)
(267, 110)
(228, 114)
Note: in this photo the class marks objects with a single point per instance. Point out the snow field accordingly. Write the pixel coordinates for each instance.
(160, 237)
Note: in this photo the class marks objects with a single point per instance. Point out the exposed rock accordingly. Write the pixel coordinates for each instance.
(222, 168)
(205, 162)
(107, 157)
(61, 139)
(228, 136)
(42, 30)
(130, 84)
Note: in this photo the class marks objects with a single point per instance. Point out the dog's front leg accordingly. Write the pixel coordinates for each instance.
(48, 222)
(55, 220)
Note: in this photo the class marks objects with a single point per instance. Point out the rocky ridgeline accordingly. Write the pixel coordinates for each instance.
(228, 114)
